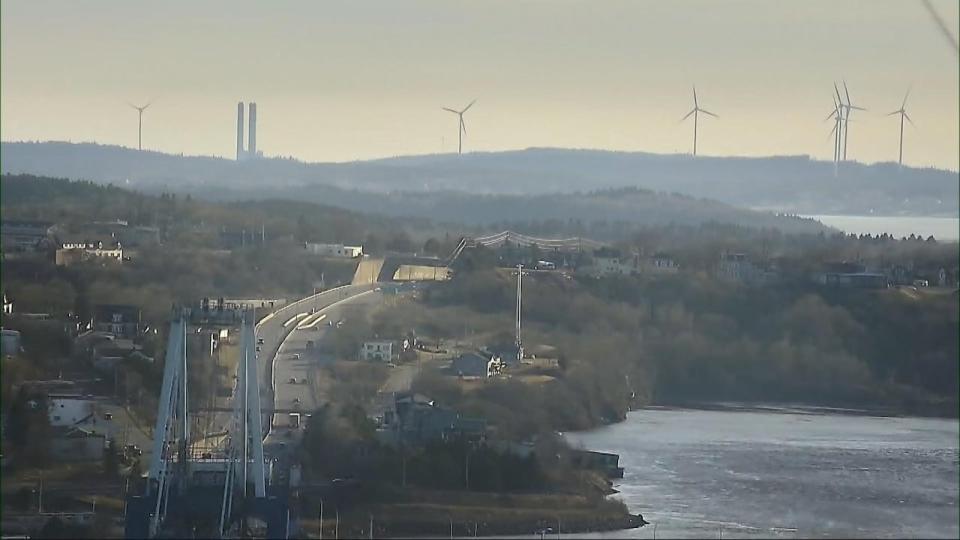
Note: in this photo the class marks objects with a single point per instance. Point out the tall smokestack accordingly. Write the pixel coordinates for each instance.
(239, 131)
(252, 139)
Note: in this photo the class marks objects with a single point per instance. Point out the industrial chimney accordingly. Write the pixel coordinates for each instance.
(240, 131)
(252, 139)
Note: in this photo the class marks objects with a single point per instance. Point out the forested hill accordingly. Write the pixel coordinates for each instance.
(793, 184)
(609, 213)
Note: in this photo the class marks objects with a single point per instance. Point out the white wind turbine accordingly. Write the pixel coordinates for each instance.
(463, 127)
(848, 106)
(696, 114)
(903, 114)
(140, 110)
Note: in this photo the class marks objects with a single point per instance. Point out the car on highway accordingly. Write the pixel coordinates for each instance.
(293, 380)
(108, 416)
(296, 356)
(259, 341)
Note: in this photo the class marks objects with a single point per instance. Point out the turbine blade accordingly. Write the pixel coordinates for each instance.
(833, 129)
(450, 110)
(468, 106)
(854, 107)
(905, 96)
(847, 92)
(907, 116)
(837, 91)
(833, 114)
(688, 114)
(695, 104)
(704, 111)
(895, 112)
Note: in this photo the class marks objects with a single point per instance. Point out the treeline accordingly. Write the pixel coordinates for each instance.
(633, 340)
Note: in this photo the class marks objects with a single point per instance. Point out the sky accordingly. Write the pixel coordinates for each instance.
(340, 81)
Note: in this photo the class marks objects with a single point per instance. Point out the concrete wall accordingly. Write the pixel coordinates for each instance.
(411, 272)
(367, 271)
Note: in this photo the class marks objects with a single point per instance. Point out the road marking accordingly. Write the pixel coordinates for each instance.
(307, 324)
(294, 318)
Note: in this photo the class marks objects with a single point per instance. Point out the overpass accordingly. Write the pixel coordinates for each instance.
(573, 244)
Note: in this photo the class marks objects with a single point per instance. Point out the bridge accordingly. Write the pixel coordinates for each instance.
(574, 244)
(218, 482)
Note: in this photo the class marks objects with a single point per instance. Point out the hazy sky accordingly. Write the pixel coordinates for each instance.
(337, 81)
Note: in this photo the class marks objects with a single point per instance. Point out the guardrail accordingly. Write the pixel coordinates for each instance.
(285, 331)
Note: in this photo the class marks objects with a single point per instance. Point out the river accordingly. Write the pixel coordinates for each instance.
(941, 228)
(784, 472)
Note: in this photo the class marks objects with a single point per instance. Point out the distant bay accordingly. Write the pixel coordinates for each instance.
(942, 228)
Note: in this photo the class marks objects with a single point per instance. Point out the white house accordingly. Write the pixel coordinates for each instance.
(72, 251)
(70, 409)
(334, 250)
(377, 350)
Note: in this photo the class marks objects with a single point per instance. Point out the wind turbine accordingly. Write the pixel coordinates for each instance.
(463, 127)
(140, 125)
(837, 115)
(696, 115)
(903, 114)
(849, 106)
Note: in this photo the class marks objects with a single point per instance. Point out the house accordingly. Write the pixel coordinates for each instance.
(509, 355)
(736, 267)
(121, 320)
(10, 344)
(859, 280)
(76, 444)
(660, 263)
(74, 251)
(68, 410)
(609, 261)
(605, 462)
(22, 235)
(416, 419)
(107, 354)
(475, 365)
(334, 250)
(377, 350)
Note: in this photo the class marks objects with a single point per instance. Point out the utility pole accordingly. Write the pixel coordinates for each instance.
(321, 519)
(371, 527)
(336, 526)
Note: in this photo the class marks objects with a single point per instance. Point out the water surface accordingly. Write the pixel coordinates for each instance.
(941, 228)
(790, 473)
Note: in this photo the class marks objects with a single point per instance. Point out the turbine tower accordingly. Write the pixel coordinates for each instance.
(696, 114)
(848, 106)
(903, 114)
(463, 127)
(837, 115)
(140, 124)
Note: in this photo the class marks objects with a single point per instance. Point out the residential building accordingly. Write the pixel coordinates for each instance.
(508, 355)
(23, 235)
(475, 365)
(68, 410)
(74, 251)
(860, 280)
(416, 419)
(10, 342)
(121, 320)
(76, 444)
(605, 462)
(334, 250)
(660, 263)
(736, 267)
(377, 350)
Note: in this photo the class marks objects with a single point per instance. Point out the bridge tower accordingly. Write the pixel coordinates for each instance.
(208, 493)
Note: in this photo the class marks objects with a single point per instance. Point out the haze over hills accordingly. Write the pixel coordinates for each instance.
(792, 184)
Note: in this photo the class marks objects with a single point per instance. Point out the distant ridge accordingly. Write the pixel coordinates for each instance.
(791, 184)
